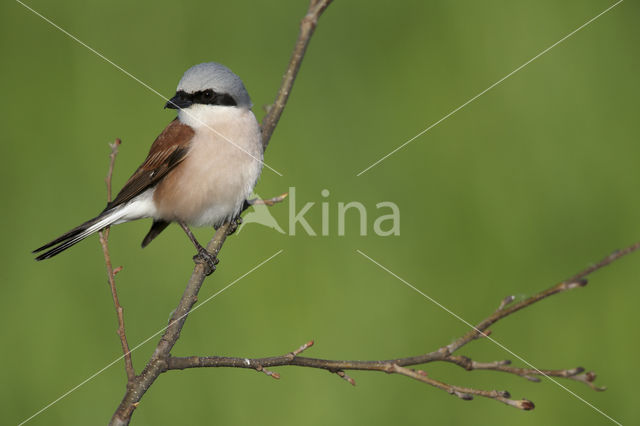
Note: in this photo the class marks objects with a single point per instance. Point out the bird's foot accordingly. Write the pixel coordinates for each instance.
(208, 259)
(233, 225)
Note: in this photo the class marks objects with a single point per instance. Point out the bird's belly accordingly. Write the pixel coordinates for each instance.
(210, 185)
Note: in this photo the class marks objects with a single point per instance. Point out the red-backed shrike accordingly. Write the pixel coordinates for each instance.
(199, 171)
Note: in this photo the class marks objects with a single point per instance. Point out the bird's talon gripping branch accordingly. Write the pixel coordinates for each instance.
(208, 259)
(233, 225)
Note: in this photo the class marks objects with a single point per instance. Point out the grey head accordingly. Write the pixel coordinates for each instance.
(210, 83)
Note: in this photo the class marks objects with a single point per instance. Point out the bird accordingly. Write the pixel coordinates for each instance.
(199, 171)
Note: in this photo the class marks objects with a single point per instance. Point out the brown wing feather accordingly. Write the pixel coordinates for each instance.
(167, 151)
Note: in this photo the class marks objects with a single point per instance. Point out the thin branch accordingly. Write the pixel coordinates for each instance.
(111, 273)
(444, 354)
(506, 309)
(307, 27)
(578, 374)
(463, 392)
(158, 362)
(604, 262)
(269, 202)
(112, 162)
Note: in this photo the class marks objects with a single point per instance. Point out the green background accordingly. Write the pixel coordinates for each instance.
(525, 186)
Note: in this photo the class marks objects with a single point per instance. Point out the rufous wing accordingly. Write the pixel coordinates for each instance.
(166, 152)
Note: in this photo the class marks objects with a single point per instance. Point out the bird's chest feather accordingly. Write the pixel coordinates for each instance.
(217, 175)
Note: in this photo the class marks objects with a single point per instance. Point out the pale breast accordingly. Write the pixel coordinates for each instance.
(219, 172)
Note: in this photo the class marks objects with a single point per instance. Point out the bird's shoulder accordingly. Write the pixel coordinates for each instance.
(176, 137)
(166, 152)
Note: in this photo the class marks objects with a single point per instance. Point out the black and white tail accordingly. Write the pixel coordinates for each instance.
(79, 233)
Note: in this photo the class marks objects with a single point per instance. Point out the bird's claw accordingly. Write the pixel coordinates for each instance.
(208, 259)
(233, 225)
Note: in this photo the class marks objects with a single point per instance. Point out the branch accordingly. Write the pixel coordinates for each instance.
(504, 310)
(307, 27)
(462, 392)
(158, 362)
(112, 162)
(162, 361)
(578, 374)
(111, 273)
(444, 354)
(269, 202)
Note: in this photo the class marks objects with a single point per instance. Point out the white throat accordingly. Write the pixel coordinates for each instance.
(200, 116)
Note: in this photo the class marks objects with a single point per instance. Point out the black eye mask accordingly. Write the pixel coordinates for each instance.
(183, 99)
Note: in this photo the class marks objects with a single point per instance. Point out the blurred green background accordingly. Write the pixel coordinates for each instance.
(525, 186)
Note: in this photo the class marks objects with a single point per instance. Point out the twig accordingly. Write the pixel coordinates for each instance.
(463, 392)
(444, 354)
(344, 376)
(307, 27)
(111, 273)
(506, 308)
(578, 374)
(604, 262)
(112, 157)
(158, 362)
(269, 202)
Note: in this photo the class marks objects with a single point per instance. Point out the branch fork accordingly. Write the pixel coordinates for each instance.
(162, 361)
(138, 385)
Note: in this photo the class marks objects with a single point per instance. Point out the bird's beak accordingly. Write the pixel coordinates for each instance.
(179, 101)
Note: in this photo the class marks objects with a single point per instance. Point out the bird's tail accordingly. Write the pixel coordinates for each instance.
(79, 233)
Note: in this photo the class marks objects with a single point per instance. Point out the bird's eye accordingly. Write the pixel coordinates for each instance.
(208, 94)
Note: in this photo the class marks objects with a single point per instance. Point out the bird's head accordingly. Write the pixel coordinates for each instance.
(210, 83)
